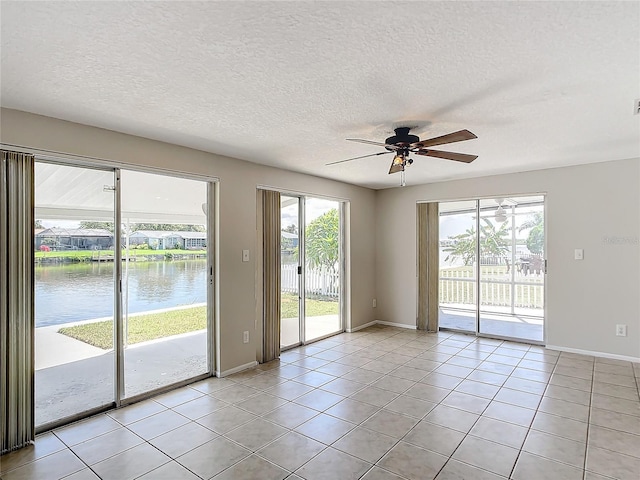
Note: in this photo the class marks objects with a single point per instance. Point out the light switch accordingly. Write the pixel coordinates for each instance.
(245, 255)
(578, 254)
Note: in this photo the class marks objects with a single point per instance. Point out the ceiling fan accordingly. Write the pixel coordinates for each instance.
(403, 144)
(501, 214)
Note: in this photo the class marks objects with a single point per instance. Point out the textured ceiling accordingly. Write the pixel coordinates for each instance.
(541, 84)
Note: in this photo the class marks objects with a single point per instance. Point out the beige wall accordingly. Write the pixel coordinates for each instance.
(238, 182)
(585, 206)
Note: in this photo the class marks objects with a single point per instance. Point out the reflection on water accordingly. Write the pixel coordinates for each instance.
(74, 292)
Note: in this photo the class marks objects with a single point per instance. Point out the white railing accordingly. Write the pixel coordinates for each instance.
(318, 281)
(497, 287)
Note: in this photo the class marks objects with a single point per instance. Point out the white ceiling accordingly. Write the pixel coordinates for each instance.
(541, 84)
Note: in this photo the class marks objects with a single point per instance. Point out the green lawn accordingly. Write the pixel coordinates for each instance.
(314, 308)
(141, 328)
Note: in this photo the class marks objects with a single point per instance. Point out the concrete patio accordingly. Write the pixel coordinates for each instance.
(518, 326)
(72, 376)
(315, 327)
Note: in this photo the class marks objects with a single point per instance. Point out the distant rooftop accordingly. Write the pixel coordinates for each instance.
(74, 232)
(164, 234)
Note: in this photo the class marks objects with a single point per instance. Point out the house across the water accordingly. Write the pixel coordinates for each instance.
(163, 240)
(57, 238)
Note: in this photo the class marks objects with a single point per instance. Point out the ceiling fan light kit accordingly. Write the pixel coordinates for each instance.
(403, 144)
(501, 215)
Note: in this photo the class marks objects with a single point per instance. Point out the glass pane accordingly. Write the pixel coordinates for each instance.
(458, 245)
(74, 291)
(322, 268)
(512, 267)
(290, 280)
(164, 280)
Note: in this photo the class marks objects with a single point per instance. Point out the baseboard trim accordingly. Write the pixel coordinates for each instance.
(381, 322)
(592, 353)
(237, 369)
(370, 324)
(399, 325)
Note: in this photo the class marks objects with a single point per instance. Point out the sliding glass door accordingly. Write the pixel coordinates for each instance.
(458, 260)
(165, 272)
(119, 255)
(290, 272)
(512, 267)
(74, 290)
(311, 269)
(492, 267)
(322, 256)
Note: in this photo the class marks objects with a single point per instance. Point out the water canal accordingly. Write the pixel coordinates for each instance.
(82, 291)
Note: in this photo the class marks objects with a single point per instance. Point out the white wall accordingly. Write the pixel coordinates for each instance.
(587, 206)
(238, 182)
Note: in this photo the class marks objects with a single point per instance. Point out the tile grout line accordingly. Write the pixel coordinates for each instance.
(586, 444)
(524, 440)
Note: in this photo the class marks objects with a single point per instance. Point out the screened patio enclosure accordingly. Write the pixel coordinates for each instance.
(492, 267)
(115, 324)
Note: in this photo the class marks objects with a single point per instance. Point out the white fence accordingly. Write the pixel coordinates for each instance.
(318, 281)
(497, 287)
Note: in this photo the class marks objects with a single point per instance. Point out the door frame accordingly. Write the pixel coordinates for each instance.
(477, 332)
(213, 293)
(343, 209)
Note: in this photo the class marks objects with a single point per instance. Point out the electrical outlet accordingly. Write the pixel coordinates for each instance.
(245, 337)
(374, 303)
(621, 330)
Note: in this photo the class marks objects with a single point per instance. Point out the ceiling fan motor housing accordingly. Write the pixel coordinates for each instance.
(401, 138)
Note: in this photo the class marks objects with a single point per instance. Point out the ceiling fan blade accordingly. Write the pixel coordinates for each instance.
(458, 157)
(458, 136)
(396, 167)
(356, 158)
(370, 142)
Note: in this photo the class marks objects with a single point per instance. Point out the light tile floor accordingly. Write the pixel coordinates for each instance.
(381, 403)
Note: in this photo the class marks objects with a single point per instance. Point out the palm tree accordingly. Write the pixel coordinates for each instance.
(464, 247)
(494, 241)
